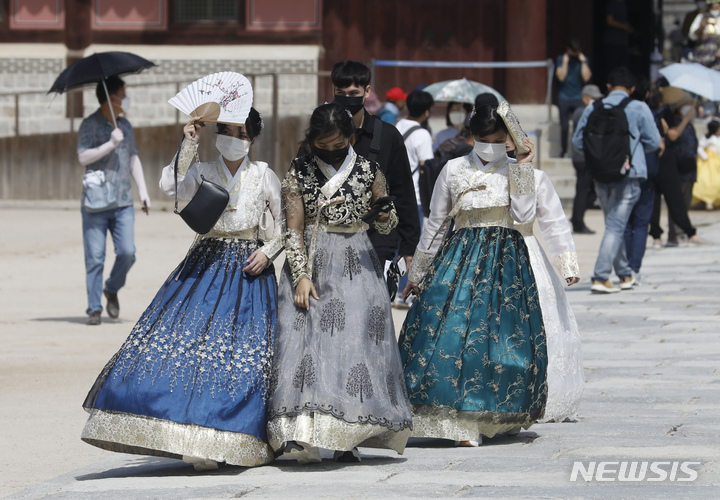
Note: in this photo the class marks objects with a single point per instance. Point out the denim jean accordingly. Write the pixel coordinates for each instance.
(119, 222)
(617, 200)
(636, 231)
(402, 283)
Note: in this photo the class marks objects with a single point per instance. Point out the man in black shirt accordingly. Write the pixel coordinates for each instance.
(351, 86)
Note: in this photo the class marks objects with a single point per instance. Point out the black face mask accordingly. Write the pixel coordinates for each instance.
(331, 157)
(353, 104)
(511, 154)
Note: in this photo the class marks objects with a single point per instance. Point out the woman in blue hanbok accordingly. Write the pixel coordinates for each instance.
(473, 344)
(191, 379)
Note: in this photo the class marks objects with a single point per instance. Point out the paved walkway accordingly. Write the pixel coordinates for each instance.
(652, 363)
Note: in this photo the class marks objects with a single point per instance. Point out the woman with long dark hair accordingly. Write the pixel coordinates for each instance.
(337, 379)
(473, 345)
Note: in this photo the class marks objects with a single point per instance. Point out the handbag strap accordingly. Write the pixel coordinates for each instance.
(375, 143)
(177, 157)
(175, 173)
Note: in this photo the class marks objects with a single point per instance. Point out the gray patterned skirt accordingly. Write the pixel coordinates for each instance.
(337, 380)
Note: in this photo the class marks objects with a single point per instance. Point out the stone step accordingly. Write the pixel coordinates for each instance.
(557, 166)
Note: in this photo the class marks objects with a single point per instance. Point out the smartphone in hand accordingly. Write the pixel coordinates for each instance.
(380, 205)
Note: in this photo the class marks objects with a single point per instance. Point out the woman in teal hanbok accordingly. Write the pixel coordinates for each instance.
(473, 344)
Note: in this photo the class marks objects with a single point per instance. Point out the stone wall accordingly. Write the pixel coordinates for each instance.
(28, 68)
(45, 166)
(41, 162)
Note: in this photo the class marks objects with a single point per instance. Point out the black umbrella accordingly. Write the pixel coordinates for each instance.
(98, 67)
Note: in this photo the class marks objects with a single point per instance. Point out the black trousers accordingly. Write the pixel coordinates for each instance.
(565, 110)
(669, 184)
(674, 229)
(584, 194)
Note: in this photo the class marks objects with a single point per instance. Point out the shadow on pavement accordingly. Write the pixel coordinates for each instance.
(158, 467)
(328, 464)
(168, 467)
(525, 437)
(78, 319)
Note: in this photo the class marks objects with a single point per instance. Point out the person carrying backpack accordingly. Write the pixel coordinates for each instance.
(456, 147)
(614, 134)
(418, 143)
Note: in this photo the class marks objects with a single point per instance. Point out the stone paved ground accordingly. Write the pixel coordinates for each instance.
(652, 364)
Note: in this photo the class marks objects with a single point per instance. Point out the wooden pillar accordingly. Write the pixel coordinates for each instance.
(78, 37)
(525, 40)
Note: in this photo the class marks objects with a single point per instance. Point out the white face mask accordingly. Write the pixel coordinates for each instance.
(125, 104)
(685, 109)
(457, 117)
(232, 148)
(488, 151)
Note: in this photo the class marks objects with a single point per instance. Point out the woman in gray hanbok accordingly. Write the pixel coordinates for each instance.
(337, 381)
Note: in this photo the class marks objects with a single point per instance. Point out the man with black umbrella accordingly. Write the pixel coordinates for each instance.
(110, 156)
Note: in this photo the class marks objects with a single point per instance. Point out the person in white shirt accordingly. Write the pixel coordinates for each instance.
(418, 143)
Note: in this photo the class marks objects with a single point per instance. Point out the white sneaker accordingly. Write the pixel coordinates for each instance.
(603, 287)
(304, 453)
(627, 283)
(657, 244)
(400, 303)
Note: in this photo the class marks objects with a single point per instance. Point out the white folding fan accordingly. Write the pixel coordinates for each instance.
(221, 97)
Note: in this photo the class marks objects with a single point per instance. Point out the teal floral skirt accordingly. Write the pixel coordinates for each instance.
(473, 345)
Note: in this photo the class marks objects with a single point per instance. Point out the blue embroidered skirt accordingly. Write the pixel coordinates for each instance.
(191, 377)
(473, 345)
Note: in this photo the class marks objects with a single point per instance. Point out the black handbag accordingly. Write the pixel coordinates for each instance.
(206, 207)
(393, 276)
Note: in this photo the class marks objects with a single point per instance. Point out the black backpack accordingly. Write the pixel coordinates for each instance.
(430, 170)
(606, 142)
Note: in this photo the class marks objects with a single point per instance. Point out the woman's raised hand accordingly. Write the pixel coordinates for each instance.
(191, 130)
(530, 155)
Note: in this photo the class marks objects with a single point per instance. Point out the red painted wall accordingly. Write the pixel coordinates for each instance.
(451, 30)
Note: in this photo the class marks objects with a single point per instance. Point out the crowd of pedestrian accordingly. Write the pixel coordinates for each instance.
(230, 365)
(655, 148)
(233, 364)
